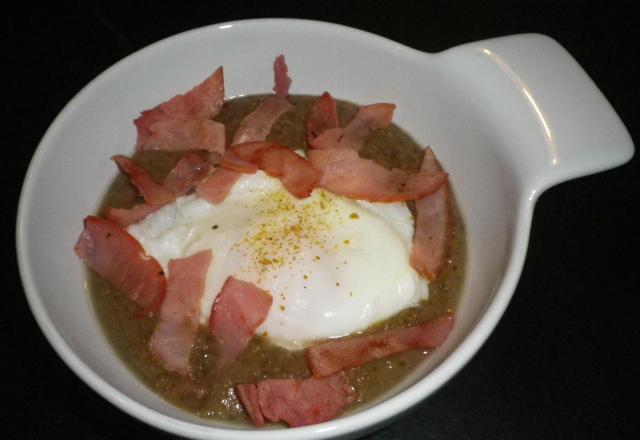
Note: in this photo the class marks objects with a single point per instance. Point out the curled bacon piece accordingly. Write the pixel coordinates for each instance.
(184, 122)
(295, 172)
(237, 312)
(248, 395)
(175, 333)
(188, 173)
(345, 173)
(368, 119)
(257, 124)
(296, 402)
(434, 223)
(119, 258)
(153, 192)
(125, 217)
(332, 357)
(183, 132)
(323, 115)
(282, 82)
(217, 185)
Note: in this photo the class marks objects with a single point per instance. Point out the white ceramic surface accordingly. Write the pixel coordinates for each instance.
(507, 117)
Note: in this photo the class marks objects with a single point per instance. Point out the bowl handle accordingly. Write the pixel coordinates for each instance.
(554, 122)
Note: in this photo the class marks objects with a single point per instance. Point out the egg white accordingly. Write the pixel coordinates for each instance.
(333, 265)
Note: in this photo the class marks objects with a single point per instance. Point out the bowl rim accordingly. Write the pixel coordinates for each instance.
(362, 420)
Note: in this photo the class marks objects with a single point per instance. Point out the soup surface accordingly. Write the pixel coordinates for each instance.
(209, 392)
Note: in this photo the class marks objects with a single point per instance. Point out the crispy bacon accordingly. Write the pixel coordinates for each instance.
(296, 402)
(217, 185)
(175, 332)
(153, 192)
(118, 257)
(184, 122)
(434, 223)
(188, 172)
(368, 119)
(257, 124)
(238, 310)
(345, 173)
(332, 357)
(323, 116)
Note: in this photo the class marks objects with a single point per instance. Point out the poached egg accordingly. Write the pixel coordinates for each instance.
(333, 266)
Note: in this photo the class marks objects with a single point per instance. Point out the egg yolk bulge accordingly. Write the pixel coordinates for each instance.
(333, 266)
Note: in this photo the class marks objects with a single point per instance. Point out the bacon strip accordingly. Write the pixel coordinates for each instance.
(234, 163)
(237, 312)
(248, 395)
(332, 357)
(118, 257)
(184, 132)
(175, 333)
(434, 223)
(282, 82)
(345, 173)
(297, 402)
(295, 172)
(184, 122)
(323, 115)
(188, 172)
(257, 124)
(125, 217)
(217, 186)
(153, 192)
(368, 119)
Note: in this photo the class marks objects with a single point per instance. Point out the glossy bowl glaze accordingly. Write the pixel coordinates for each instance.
(507, 117)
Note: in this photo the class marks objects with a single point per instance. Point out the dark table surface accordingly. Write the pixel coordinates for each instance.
(560, 362)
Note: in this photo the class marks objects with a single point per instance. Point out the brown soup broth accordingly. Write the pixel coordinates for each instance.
(208, 392)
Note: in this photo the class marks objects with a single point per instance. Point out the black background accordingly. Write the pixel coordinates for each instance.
(560, 363)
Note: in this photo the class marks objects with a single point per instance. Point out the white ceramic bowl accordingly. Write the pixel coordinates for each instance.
(507, 117)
